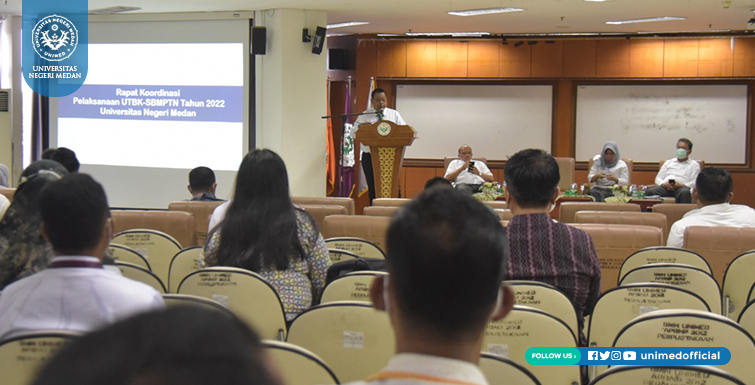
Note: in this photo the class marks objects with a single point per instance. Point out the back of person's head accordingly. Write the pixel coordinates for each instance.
(201, 179)
(178, 346)
(446, 256)
(74, 211)
(713, 185)
(64, 156)
(36, 176)
(438, 182)
(532, 177)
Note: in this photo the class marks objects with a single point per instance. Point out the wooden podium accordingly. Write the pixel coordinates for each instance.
(387, 141)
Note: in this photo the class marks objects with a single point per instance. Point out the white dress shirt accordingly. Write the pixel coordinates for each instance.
(78, 299)
(415, 369)
(371, 117)
(466, 177)
(4, 204)
(719, 215)
(682, 172)
(620, 170)
(217, 215)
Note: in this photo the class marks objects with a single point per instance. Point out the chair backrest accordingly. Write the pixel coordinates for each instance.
(566, 170)
(319, 212)
(663, 254)
(350, 287)
(688, 374)
(503, 371)
(746, 318)
(673, 212)
(689, 277)
(298, 366)
(178, 224)
(525, 327)
(719, 245)
(155, 246)
(380, 211)
(614, 243)
(390, 202)
(201, 211)
(652, 330)
(337, 201)
(623, 218)
(183, 263)
(21, 357)
(352, 337)
(447, 160)
(245, 293)
(628, 161)
(738, 282)
(338, 255)
(567, 210)
(193, 300)
(373, 229)
(504, 214)
(362, 248)
(8, 192)
(547, 298)
(138, 273)
(497, 204)
(122, 253)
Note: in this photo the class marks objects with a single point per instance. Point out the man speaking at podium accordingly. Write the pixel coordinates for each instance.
(379, 111)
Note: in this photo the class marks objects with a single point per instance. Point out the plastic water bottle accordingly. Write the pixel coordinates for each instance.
(573, 189)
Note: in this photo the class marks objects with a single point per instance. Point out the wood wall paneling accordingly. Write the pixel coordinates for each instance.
(548, 59)
(452, 59)
(416, 177)
(744, 57)
(715, 58)
(391, 58)
(580, 58)
(483, 59)
(421, 59)
(612, 58)
(680, 58)
(646, 58)
(515, 62)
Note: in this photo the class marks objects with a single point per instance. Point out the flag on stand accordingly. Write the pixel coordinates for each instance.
(347, 161)
(362, 185)
(330, 149)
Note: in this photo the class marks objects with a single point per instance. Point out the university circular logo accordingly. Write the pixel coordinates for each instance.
(384, 129)
(55, 38)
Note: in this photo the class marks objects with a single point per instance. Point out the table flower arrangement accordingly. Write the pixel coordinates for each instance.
(620, 194)
(489, 191)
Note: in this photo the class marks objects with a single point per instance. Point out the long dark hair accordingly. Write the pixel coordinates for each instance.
(259, 229)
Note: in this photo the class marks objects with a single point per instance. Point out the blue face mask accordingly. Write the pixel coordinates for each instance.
(681, 153)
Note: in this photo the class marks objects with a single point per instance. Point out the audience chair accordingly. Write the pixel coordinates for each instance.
(370, 228)
(525, 327)
(390, 202)
(504, 214)
(350, 287)
(193, 300)
(319, 212)
(338, 255)
(738, 282)
(362, 248)
(201, 211)
(651, 330)
(178, 224)
(183, 263)
(622, 304)
(663, 254)
(21, 357)
(497, 204)
(380, 211)
(334, 201)
(547, 298)
(122, 253)
(719, 245)
(673, 212)
(155, 246)
(614, 242)
(566, 171)
(8, 192)
(630, 167)
(298, 366)
(353, 338)
(746, 318)
(685, 276)
(138, 273)
(503, 371)
(661, 374)
(623, 218)
(568, 210)
(245, 293)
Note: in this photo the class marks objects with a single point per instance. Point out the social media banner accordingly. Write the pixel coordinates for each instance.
(628, 356)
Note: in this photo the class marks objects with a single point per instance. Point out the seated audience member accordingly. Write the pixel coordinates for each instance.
(178, 346)
(713, 190)
(74, 292)
(202, 184)
(4, 204)
(64, 156)
(540, 248)
(4, 176)
(439, 182)
(445, 261)
(607, 170)
(677, 176)
(264, 232)
(468, 175)
(23, 250)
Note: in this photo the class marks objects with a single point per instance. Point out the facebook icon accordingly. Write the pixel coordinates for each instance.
(592, 355)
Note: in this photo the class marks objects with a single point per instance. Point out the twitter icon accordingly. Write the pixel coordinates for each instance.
(604, 355)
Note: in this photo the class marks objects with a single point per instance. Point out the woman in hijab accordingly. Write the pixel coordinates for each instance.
(23, 251)
(607, 171)
(4, 176)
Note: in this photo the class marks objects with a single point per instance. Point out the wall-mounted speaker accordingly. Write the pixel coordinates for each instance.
(259, 40)
(338, 59)
(318, 41)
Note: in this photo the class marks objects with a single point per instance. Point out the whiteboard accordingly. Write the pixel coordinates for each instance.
(647, 120)
(495, 120)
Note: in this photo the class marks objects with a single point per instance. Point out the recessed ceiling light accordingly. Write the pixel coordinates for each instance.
(112, 10)
(648, 20)
(596, 1)
(488, 11)
(347, 24)
(453, 34)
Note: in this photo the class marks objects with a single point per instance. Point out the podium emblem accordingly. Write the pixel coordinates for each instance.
(384, 129)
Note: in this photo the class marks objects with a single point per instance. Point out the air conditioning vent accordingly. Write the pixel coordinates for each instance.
(4, 100)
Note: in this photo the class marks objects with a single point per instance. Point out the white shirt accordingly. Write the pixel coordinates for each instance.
(466, 177)
(719, 215)
(371, 117)
(217, 215)
(620, 170)
(682, 172)
(426, 369)
(73, 298)
(4, 204)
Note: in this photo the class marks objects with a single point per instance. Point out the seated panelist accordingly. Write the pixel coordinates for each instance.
(607, 170)
(468, 175)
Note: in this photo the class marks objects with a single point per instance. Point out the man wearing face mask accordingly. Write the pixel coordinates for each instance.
(713, 191)
(677, 176)
(379, 111)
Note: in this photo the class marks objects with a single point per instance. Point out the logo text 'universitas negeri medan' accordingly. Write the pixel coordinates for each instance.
(55, 38)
